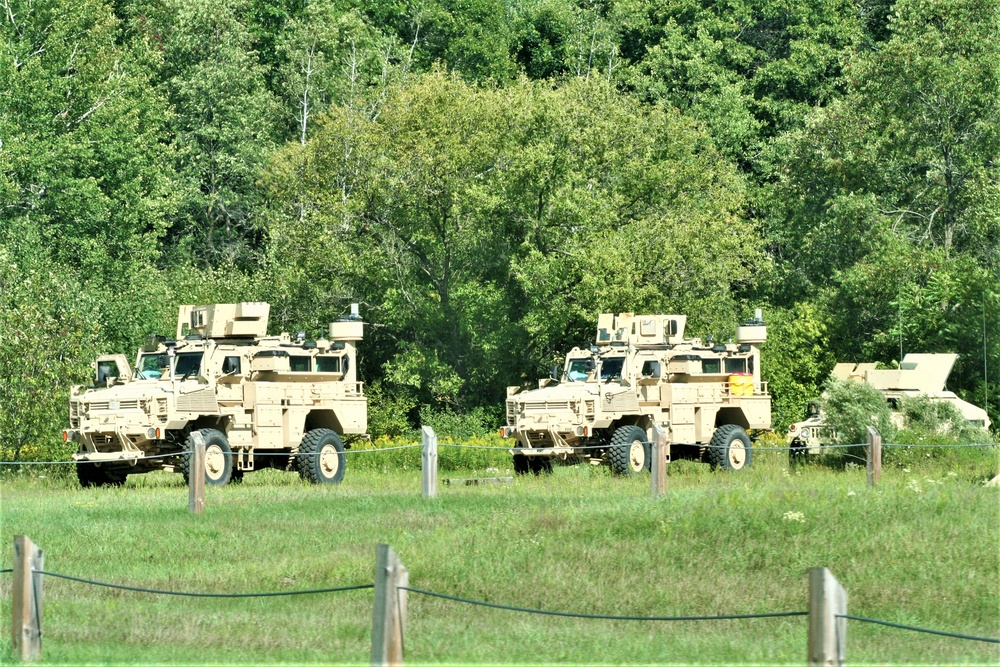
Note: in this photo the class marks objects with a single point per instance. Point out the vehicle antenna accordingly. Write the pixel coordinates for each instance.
(901, 331)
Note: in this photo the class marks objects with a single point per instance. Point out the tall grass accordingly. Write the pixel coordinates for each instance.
(921, 549)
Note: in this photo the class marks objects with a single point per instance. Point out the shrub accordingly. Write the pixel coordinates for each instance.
(928, 415)
(850, 407)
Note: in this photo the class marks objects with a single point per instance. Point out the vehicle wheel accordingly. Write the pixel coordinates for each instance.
(321, 457)
(540, 464)
(218, 458)
(730, 448)
(92, 475)
(629, 451)
(796, 451)
(521, 464)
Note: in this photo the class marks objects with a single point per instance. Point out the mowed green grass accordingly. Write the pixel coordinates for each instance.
(923, 549)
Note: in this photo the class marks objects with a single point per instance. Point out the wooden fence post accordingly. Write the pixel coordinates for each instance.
(874, 457)
(196, 475)
(429, 461)
(660, 453)
(389, 617)
(26, 615)
(827, 633)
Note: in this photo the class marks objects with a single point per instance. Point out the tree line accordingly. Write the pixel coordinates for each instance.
(487, 176)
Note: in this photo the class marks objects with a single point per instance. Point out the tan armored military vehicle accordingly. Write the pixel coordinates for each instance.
(257, 401)
(642, 372)
(917, 375)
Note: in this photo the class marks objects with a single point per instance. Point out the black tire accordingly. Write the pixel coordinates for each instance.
(540, 465)
(96, 475)
(796, 451)
(730, 448)
(628, 452)
(321, 457)
(521, 464)
(218, 458)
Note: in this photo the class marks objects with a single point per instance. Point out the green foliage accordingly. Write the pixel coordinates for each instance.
(450, 426)
(388, 410)
(49, 333)
(923, 413)
(485, 177)
(795, 360)
(482, 221)
(850, 407)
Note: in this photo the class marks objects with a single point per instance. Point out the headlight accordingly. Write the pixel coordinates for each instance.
(805, 433)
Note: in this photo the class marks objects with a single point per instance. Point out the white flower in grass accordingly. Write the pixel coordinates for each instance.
(795, 516)
(952, 473)
(914, 485)
(851, 494)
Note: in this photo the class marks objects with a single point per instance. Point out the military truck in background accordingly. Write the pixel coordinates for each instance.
(917, 375)
(256, 400)
(640, 372)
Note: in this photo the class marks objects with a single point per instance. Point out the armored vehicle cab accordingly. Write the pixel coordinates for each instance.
(641, 371)
(256, 400)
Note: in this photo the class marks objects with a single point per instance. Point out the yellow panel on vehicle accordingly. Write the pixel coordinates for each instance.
(741, 384)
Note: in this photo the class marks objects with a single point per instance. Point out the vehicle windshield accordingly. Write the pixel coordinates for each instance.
(188, 364)
(155, 366)
(579, 369)
(152, 366)
(611, 369)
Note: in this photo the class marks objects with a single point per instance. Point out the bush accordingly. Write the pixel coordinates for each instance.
(925, 414)
(478, 455)
(453, 426)
(389, 411)
(849, 408)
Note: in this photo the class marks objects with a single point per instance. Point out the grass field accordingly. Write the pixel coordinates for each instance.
(923, 549)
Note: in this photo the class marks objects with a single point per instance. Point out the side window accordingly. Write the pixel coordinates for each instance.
(299, 364)
(651, 369)
(736, 365)
(105, 370)
(231, 365)
(347, 364)
(328, 364)
(711, 366)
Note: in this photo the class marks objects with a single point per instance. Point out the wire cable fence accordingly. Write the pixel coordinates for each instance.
(139, 589)
(900, 626)
(511, 448)
(504, 607)
(30, 597)
(608, 617)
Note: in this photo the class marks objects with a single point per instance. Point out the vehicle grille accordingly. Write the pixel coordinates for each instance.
(202, 401)
(548, 406)
(122, 405)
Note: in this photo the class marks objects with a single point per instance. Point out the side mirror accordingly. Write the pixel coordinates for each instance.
(554, 373)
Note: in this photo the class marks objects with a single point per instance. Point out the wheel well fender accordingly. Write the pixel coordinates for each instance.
(220, 423)
(731, 416)
(323, 419)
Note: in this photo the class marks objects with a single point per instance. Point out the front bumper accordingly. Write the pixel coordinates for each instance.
(123, 442)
